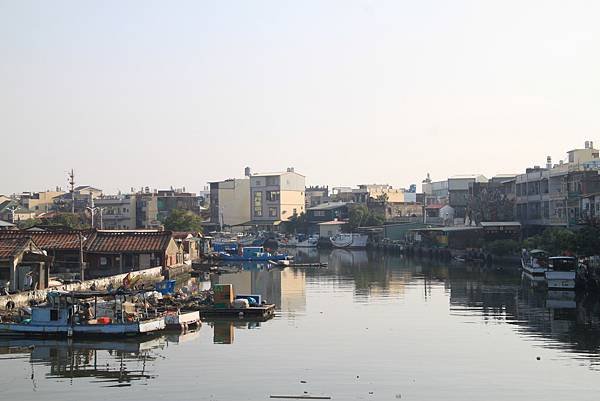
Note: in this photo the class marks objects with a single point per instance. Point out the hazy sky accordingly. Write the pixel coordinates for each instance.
(132, 93)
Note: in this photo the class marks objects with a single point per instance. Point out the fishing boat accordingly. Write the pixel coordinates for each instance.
(73, 314)
(561, 273)
(349, 240)
(300, 241)
(535, 264)
(252, 254)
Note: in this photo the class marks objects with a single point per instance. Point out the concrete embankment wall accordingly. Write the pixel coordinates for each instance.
(23, 298)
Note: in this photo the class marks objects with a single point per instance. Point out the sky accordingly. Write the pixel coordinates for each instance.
(161, 94)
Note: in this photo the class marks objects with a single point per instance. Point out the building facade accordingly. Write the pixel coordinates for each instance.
(276, 197)
(230, 202)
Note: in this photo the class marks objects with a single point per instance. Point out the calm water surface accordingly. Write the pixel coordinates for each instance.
(368, 327)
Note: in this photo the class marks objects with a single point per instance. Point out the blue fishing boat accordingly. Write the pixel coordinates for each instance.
(252, 253)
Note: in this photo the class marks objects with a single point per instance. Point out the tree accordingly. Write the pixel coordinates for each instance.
(555, 240)
(588, 240)
(183, 220)
(361, 216)
(297, 224)
(504, 247)
(71, 221)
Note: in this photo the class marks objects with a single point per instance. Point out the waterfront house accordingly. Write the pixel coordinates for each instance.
(23, 265)
(188, 244)
(113, 252)
(329, 229)
(63, 246)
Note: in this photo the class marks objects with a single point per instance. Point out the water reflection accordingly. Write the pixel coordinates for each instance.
(497, 294)
(112, 363)
(284, 288)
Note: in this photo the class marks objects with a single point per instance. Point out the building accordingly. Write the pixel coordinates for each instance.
(23, 265)
(13, 212)
(490, 201)
(329, 229)
(152, 207)
(557, 195)
(325, 212)
(116, 212)
(458, 192)
(230, 202)
(113, 252)
(275, 198)
(40, 202)
(5, 225)
(396, 211)
(316, 195)
(63, 246)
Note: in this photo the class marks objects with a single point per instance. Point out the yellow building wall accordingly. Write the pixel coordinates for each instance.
(290, 200)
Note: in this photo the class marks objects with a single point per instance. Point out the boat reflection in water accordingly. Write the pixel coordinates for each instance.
(112, 363)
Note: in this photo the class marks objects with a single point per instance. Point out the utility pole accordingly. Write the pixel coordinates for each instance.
(12, 213)
(92, 210)
(71, 182)
(101, 209)
(81, 262)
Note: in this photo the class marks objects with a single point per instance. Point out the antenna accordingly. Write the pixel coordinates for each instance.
(71, 181)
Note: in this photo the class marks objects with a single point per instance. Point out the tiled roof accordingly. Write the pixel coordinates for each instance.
(11, 247)
(128, 241)
(49, 240)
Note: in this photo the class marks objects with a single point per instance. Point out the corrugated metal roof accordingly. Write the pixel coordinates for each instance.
(128, 241)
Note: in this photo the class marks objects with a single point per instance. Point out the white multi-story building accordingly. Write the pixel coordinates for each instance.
(276, 197)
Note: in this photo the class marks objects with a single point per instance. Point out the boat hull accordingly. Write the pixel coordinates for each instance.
(560, 280)
(83, 330)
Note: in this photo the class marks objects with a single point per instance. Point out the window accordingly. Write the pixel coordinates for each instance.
(124, 210)
(103, 261)
(272, 180)
(258, 204)
(53, 314)
(272, 212)
(319, 213)
(294, 211)
(273, 196)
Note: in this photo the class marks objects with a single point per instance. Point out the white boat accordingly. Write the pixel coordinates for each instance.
(69, 314)
(561, 272)
(349, 240)
(535, 264)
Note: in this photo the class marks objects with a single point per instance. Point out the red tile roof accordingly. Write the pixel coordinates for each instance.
(129, 241)
(49, 240)
(11, 247)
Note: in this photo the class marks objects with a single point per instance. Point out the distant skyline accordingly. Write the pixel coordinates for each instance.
(160, 94)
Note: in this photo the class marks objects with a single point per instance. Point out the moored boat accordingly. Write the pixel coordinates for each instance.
(561, 273)
(252, 254)
(534, 264)
(73, 314)
(349, 240)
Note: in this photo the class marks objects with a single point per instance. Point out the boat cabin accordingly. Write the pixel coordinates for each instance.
(562, 263)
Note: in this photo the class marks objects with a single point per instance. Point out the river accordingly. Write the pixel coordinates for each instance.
(368, 327)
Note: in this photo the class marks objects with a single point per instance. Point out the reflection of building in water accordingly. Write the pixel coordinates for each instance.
(116, 361)
(293, 286)
(223, 330)
(284, 288)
